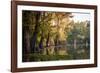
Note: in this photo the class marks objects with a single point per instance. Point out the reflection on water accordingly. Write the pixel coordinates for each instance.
(60, 52)
(81, 51)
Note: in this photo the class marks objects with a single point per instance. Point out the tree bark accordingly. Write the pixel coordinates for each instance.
(34, 38)
(47, 41)
(26, 44)
(27, 37)
(75, 46)
(41, 43)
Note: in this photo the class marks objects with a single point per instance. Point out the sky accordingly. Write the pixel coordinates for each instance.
(81, 16)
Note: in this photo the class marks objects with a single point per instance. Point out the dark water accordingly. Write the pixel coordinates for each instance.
(61, 52)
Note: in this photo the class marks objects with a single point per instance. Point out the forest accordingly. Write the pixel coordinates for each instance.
(48, 36)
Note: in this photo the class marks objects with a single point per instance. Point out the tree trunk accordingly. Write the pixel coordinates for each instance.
(41, 43)
(34, 38)
(26, 44)
(27, 37)
(47, 41)
(57, 36)
(75, 46)
(56, 44)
